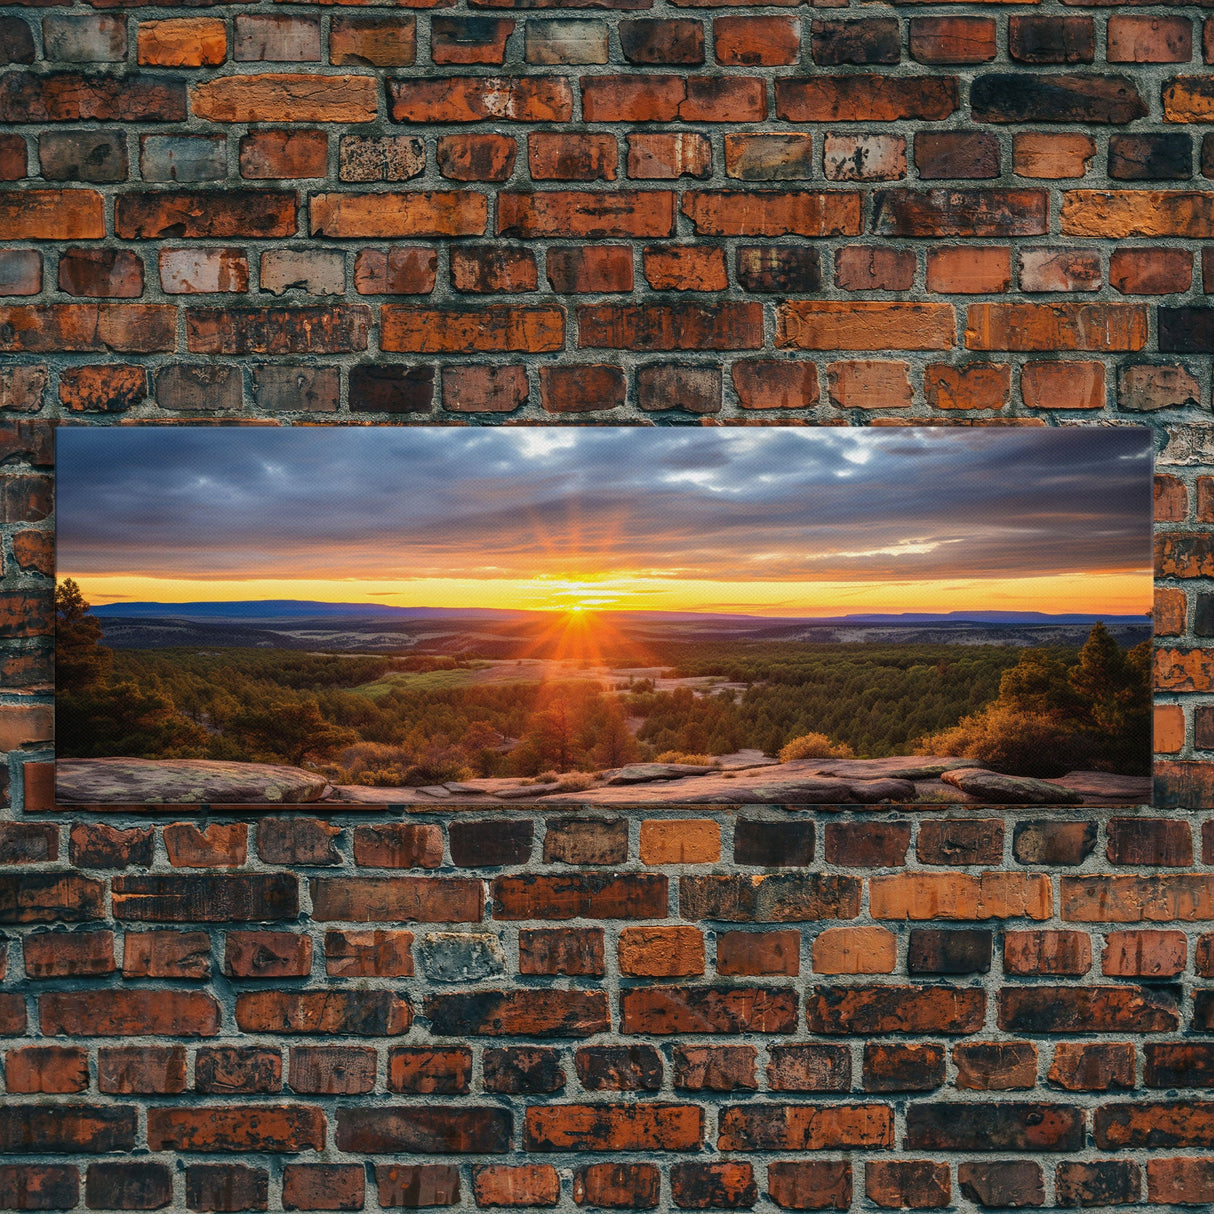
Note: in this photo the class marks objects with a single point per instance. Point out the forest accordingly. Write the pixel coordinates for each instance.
(418, 718)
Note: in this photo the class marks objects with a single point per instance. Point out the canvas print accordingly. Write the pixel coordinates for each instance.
(598, 615)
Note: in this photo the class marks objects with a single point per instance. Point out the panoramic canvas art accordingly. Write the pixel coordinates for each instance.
(598, 615)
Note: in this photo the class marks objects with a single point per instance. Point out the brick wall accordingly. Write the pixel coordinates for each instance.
(648, 212)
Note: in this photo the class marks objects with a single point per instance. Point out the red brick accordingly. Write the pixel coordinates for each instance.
(581, 388)
(992, 213)
(182, 42)
(76, 97)
(855, 950)
(678, 326)
(1149, 842)
(1097, 327)
(952, 39)
(772, 213)
(1135, 271)
(804, 1127)
(246, 1127)
(493, 268)
(1051, 39)
(1051, 157)
(1137, 954)
(427, 1071)
(657, 42)
(707, 1009)
(105, 327)
(370, 1013)
(484, 389)
(661, 952)
(724, 1185)
(48, 1068)
(894, 1009)
(809, 1068)
(398, 845)
(590, 270)
(1093, 1066)
(902, 1184)
(379, 41)
(714, 1068)
(685, 268)
(971, 386)
(516, 1013)
(226, 1187)
(476, 157)
(613, 1127)
(756, 953)
(874, 268)
(228, 1069)
(969, 270)
(617, 1186)
(107, 388)
(60, 954)
(1169, 728)
(1058, 1009)
(365, 954)
(766, 384)
(869, 384)
(1171, 500)
(668, 155)
(142, 215)
(433, 213)
(1062, 385)
(332, 1070)
(995, 1066)
(400, 270)
(960, 841)
(480, 98)
(262, 954)
(417, 1185)
(810, 1185)
(1149, 39)
(903, 1068)
(317, 1186)
(285, 97)
(619, 1068)
(407, 1129)
(561, 951)
(567, 213)
(497, 1185)
(656, 98)
(1179, 1181)
(501, 327)
(123, 1013)
(25, 1186)
(756, 41)
(864, 325)
(221, 844)
(469, 39)
(166, 954)
(864, 97)
(558, 156)
(956, 154)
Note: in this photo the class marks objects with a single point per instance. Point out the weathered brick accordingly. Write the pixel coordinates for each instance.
(318, 1186)
(561, 951)
(581, 388)
(865, 97)
(399, 270)
(77, 954)
(75, 97)
(1092, 1066)
(903, 1068)
(570, 41)
(476, 157)
(661, 952)
(899, 1184)
(1056, 1009)
(938, 40)
(496, 1185)
(810, 1185)
(267, 955)
(1004, 1126)
(500, 327)
(387, 1129)
(1103, 1181)
(894, 1009)
(869, 384)
(182, 42)
(666, 156)
(469, 39)
(417, 1185)
(801, 1127)
(376, 41)
(226, 1187)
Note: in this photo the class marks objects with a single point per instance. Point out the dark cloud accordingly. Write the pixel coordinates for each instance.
(740, 504)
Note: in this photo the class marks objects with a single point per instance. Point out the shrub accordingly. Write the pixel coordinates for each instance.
(815, 746)
(681, 756)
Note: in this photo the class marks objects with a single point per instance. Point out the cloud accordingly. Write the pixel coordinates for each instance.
(394, 503)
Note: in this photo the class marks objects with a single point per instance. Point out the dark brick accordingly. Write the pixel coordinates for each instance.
(1006, 97)
(226, 1187)
(1003, 1126)
(490, 843)
(522, 1070)
(1053, 843)
(1051, 39)
(1150, 157)
(779, 269)
(903, 1068)
(960, 951)
(773, 844)
(391, 388)
(839, 42)
(619, 1068)
(130, 1185)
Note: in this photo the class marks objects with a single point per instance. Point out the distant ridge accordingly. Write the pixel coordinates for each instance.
(290, 609)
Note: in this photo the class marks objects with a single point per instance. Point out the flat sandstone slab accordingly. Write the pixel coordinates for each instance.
(183, 781)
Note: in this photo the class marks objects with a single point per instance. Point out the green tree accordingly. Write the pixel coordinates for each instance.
(81, 661)
(292, 731)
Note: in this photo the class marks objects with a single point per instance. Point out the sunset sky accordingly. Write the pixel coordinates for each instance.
(771, 521)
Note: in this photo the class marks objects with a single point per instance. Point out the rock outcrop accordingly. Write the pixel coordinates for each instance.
(183, 781)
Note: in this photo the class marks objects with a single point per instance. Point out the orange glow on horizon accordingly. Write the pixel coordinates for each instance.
(1124, 592)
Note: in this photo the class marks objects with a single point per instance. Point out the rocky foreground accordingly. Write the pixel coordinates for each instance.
(747, 778)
